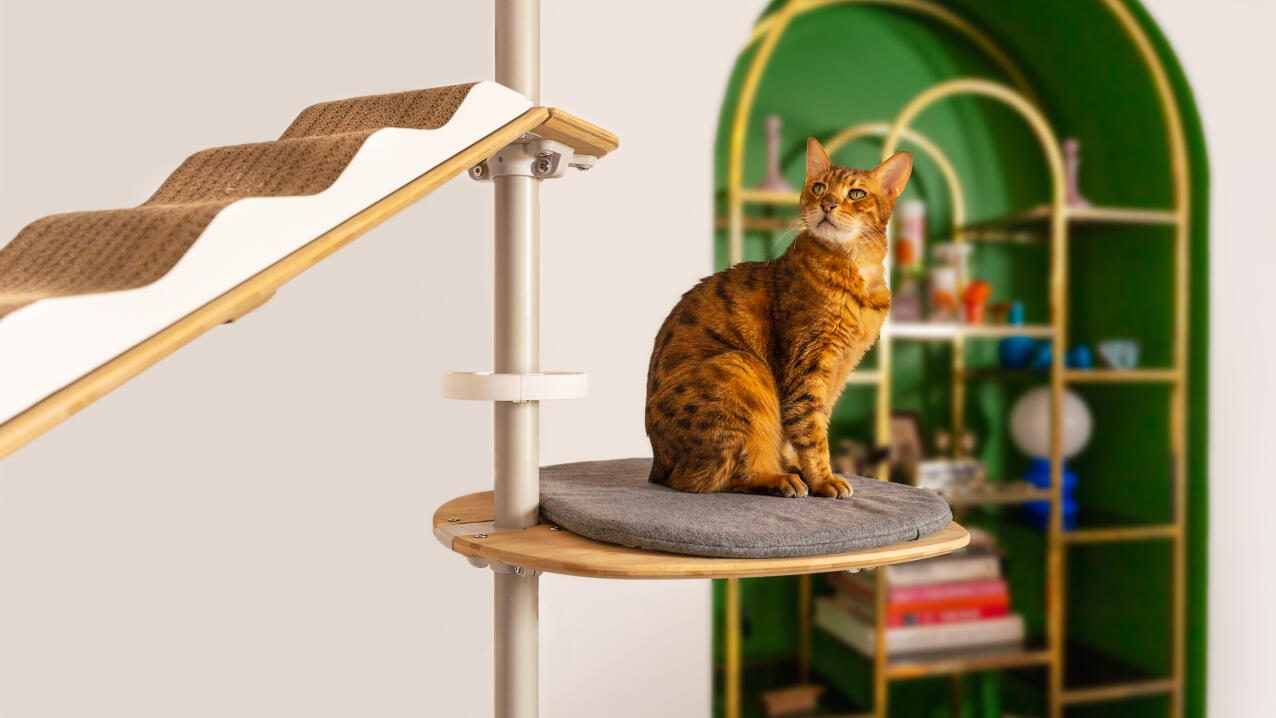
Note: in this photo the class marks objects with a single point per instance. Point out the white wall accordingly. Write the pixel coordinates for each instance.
(243, 530)
(1227, 54)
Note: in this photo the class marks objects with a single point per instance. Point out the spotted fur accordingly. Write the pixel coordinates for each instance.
(749, 363)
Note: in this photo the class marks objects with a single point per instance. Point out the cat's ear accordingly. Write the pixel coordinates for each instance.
(817, 160)
(893, 173)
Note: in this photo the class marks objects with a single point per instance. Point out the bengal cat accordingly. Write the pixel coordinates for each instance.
(749, 363)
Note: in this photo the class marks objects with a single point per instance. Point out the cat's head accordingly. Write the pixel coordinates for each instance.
(849, 208)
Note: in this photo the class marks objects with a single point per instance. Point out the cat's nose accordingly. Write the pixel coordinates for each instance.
(827, 206)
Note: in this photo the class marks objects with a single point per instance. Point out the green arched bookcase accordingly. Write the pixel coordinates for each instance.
(1115, 609)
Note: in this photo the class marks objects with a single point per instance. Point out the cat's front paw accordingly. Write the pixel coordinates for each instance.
(834, 487)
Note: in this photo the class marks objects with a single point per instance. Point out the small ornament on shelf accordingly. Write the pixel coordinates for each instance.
(1119, 353)
(906, 303)
(1072, 168)
(999, 312)
(774, 181)
(946, 276)
(910, 236)
(975, 300)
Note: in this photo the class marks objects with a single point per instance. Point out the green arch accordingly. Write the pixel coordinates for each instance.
(1092, 85)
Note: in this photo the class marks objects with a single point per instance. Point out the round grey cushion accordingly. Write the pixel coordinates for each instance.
(613, 501)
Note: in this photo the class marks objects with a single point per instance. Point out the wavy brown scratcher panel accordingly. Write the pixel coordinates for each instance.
(112, 250)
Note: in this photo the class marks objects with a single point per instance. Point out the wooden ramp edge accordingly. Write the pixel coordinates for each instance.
(551, 123)
(465, 526)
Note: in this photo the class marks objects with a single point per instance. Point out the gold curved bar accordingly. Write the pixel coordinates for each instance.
(922, 7)
(1179, 167)
(1058, 318)
(735, 152)
(768, 32)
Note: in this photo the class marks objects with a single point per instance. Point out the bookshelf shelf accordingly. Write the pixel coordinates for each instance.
(1121, 376)
(924, 665)
(1040, 215)
(1120, 534)
(1095, 677)
(997, 494)
(768, 197)
(759, 224)
(864, 377)
(1117, 691)
(924, 331)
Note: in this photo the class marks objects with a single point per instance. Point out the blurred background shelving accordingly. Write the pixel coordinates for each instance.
(1109, 607)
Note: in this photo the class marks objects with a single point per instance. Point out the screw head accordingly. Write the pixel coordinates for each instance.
(543, 166)
(480, 535)
(479, 171)
(454, 519)
(555, 528)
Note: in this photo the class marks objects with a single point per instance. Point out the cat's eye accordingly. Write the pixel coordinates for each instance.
(857, 194)
(818, 188)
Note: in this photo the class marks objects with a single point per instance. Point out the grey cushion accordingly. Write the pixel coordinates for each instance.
(613, 501)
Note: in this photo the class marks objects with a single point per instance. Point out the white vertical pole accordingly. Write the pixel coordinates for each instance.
(517, 351)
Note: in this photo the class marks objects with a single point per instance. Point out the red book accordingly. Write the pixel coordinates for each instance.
(896, 618)
(931, 597)
(946, 615)
(964, 590)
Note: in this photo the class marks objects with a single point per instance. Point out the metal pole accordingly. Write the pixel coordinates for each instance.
(517, 351)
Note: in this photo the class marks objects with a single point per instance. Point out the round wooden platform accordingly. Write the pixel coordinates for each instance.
(458, 523)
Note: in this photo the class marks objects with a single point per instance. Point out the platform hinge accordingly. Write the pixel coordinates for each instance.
(446, 533)
(498, 567)
(531, 156)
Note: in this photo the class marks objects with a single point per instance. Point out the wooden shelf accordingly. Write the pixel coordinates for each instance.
(1121, 376)
(924, 331)
(1118, 691)
(1084, 215)
(948, 662)
(1118, 534)
(864, 377)
(1095, 677)
(761, 224)
(998, 493)
(769, 197)
(546, 548)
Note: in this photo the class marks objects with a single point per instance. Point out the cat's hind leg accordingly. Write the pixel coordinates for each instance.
(722, 431)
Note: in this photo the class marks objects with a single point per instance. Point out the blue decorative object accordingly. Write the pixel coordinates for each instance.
(1079, 357)
(1016, 352)
(1042, 355)
(1120, 353)
(1038, 512)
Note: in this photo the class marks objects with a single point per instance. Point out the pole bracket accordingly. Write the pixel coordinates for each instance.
(531, 156)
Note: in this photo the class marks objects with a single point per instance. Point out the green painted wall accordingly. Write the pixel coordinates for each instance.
(848, 64)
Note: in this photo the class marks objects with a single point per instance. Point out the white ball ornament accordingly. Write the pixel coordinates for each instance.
(1030, 423)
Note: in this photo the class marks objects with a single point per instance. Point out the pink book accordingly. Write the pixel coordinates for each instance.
(949, 591)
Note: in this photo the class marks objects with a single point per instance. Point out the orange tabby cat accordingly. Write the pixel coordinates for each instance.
(747, 366)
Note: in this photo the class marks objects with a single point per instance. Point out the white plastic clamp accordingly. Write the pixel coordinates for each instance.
(534, 157)
(490, 386)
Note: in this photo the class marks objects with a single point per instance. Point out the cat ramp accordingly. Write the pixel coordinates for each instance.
(89, 300)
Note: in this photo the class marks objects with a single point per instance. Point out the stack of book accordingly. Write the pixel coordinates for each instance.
(952, 602)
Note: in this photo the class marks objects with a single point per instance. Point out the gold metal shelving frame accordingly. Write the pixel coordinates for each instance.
(1020, 97)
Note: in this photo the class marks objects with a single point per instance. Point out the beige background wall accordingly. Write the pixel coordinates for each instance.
(242, 530)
